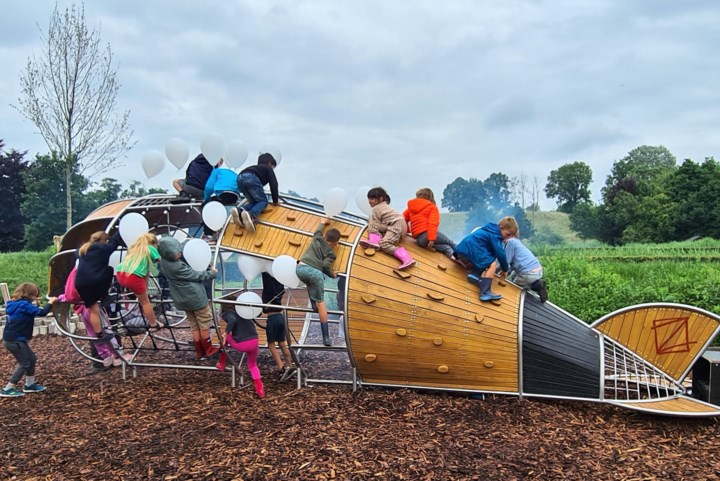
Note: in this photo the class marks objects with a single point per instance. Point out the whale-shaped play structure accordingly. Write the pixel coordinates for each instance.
(423, 327)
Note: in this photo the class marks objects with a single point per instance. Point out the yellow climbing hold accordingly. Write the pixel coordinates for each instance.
(438, 341)
(368, 298)
(370, 357)
(401, 332)
(443, 369)
(489, 364)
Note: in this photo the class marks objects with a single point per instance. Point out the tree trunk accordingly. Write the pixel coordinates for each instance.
(68, 193)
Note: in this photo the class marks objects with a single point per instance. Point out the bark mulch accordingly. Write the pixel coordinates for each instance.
(172, 424)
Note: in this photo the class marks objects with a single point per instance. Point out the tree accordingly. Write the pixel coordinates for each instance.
(108, 191)
(642, 172)
(137, 189)
(12, 188)
(461, 195)
(692, 188)
(45, 182)
(495, 204)
(69, 93)
(570, 184)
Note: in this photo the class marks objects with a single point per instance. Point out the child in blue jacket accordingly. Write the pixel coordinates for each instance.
(21, 313)
(478, 252)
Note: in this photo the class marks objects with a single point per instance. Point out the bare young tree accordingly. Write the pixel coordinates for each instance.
(69, 93)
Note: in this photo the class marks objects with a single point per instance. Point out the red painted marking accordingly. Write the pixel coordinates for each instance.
(674, 335)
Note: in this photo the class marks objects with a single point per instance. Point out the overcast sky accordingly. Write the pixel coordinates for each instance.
(403, 94)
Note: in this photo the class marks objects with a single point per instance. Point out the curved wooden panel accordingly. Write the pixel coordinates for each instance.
(679, 406)
(670, 337)
(110, 210)
(427, 327)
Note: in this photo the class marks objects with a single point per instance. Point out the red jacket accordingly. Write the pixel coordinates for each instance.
(422, 216)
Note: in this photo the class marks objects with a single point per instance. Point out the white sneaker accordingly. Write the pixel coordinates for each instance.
(108, 361)
(247, 220)
(236, 217)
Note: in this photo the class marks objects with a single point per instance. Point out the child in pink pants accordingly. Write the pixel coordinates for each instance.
(241, 335)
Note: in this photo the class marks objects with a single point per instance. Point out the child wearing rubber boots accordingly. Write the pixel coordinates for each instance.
(525, 269)
(187, 291)
(478, 252)
(386, 228)
(317, 260)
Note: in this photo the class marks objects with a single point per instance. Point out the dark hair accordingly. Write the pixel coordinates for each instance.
(267, 159)
(378, 193)
(332, 235)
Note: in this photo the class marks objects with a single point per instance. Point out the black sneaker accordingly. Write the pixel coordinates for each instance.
(182, 198)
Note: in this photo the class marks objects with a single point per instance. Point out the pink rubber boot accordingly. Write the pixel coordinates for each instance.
(372, 241)
(259, 388)
(403, 256)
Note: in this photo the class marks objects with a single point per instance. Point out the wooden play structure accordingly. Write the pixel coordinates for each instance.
(425, 327)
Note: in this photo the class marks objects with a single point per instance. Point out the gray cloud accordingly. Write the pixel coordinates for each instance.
(401, 94)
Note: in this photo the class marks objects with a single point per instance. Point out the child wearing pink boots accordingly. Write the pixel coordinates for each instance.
(387, 227)
(241, 335)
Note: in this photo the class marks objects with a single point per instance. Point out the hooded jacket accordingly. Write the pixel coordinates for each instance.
(198, 172)
(186, 284)
(221, 180)
(483, 246)
(422, 216)
(21, 315)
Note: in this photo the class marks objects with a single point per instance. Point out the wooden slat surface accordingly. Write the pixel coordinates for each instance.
(434, 305)
(669, 347)
(678, 406)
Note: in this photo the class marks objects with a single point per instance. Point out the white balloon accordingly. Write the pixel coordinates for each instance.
(335, 201)
(177, 152)
(272, 150)
(132, 226)
(250, 266)
(225, 256)
(115, 259)
(362, 201)
(212, 147)
(214, 215)
(197, 253)
(283, 269)
(249, 312)
(235, 154)
(153, 162)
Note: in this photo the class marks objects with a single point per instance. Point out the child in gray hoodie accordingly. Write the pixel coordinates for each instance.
(188, 293)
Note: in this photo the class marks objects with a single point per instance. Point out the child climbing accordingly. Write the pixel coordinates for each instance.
(478, 251)
(250, 182)
(317, 260)
(93, 277)
(242, 336)
(187, 291)
(423, 218)
(386, 228)
(525, 269)
(133, 271)
(21, 312)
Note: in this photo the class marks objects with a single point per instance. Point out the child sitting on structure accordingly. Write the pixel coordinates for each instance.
(21, 312)
(187, 291)
(242, 336)
(272, 293)
(317, 260)
(250, 182)
(386, 228)
(132, 273)
(423, 218)
(196, 176)
(478, 252)
(525, 269)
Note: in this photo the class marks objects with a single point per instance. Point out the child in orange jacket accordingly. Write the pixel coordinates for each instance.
(423, 218)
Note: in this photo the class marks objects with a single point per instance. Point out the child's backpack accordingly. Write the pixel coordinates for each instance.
(71, 294)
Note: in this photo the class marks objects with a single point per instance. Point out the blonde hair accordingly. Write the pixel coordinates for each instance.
(509, 224)
(99, 236)
(139, 251)
(27, 291)
(426, 194)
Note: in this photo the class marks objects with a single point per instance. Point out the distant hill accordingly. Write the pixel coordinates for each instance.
(452, 224)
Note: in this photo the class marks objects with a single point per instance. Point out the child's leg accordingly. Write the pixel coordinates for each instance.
(444, 244)
(275, 355)
(25, 358)
(147, 309)
(391, 238)
(254, 193)
(249, 347)
(95, 318)
(286, 354)
(490, 271)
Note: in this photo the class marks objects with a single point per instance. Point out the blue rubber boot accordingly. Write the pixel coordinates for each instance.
(486, 295)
